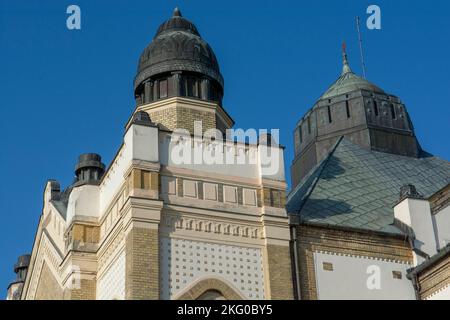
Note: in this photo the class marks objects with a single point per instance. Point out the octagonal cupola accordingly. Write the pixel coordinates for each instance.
(354, 108)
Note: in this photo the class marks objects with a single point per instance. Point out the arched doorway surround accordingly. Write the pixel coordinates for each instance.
(204, 288)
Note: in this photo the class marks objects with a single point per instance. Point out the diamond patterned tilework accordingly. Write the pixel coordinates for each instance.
(356, 187)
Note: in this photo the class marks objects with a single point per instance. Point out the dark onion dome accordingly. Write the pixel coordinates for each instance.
(177, 47)
(348, 82)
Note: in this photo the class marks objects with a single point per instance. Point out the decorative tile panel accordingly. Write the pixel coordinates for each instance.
(183, 262)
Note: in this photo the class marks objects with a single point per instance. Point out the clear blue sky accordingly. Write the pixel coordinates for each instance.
(64, 92)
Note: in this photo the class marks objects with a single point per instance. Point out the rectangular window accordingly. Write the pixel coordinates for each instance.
(300, 134)
(347, 108)
(171, 87)
(163, 88)
(394, 116)
(327, 266)
(329, 115)
(212, 94)
(375, 108)
(191, 87)
(147, 90)
(397, 275)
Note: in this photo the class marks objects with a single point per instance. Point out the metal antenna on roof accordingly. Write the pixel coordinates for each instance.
(361, 50)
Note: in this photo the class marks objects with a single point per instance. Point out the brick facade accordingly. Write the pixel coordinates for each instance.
(273, 197)
(48, 288)
(280, 272)
(142, 264)
(440, 200)
(180, 117)
(434, 278)
(314, 238)
(86, 291)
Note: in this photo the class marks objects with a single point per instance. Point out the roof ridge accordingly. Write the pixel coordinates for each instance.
(320, 167)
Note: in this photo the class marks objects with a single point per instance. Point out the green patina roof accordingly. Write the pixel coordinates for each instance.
(356, 187)
(348, 82)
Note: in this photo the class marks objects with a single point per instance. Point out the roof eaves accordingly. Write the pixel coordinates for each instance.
(430, 262)
(348, 228)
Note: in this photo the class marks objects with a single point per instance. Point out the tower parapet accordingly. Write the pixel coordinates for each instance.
(89, 169)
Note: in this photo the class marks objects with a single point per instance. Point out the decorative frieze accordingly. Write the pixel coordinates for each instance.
(48, 255)
(179, 222)
(109, 250)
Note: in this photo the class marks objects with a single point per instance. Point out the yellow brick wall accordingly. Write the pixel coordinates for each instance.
(85, 233)
(280, 272)
(141, 179)
(434, 278)
(87, 290)
(48, 287)
(142, 264)
(274, 198)
(180, 117)
(440, 200)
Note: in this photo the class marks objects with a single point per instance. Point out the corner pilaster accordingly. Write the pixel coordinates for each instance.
(142, 219)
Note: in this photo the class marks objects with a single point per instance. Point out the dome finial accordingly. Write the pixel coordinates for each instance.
(177, 12)
(345, 67)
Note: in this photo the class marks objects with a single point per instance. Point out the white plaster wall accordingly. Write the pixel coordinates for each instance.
(417, 214)
(238, 169)
(401, 212)
(114, 177)
(140, 143)
(348, 280)
(271, 162)
(83, 201)
(144, 143)
(443, 294)
(183, 262)
(246, 161)
(442, 223)
(111, 284)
